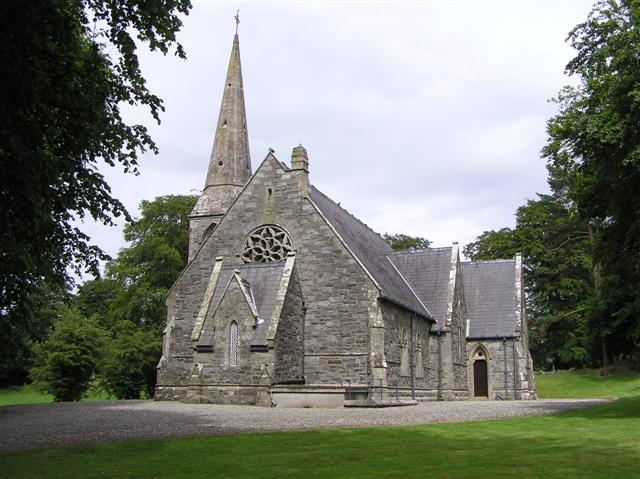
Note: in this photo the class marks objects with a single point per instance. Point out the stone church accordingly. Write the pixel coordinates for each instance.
(288, 300)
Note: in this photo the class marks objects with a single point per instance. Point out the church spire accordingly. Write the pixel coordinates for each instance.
(230, 163)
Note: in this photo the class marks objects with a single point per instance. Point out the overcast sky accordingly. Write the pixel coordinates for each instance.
(424, 118)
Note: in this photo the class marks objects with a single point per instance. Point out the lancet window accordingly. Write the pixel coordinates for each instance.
(233, 344)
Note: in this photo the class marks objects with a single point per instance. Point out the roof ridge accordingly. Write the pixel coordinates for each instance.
(351, 214)
(501, 260)
(409, 251)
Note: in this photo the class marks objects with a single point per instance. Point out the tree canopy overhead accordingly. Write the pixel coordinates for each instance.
(67, 66)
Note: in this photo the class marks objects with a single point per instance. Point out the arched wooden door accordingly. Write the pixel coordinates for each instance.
(480, 384)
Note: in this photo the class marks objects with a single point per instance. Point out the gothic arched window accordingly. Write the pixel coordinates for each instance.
(265, 244)
(419, 367)
(404, 350)
(208, 231)
(233, 344)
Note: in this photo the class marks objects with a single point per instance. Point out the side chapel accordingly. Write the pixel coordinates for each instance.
(288, 300)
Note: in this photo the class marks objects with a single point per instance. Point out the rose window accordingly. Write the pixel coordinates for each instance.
(266, 244)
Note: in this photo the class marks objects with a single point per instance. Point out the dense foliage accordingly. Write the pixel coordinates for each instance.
(25, 326)
(127, 307)
(400, 242)
(581, 243)
(129, 365)
(67, 360)
(67, 66)
(595, 142)
(130, 300)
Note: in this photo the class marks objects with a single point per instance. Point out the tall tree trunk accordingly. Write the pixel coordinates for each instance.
(597, 276)
(605, 353)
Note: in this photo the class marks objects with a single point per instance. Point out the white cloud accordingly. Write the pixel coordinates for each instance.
(420, 118)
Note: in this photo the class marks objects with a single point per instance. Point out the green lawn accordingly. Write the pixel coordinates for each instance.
(587, 383)
(599, 442)
(29, 395)
(23, 395)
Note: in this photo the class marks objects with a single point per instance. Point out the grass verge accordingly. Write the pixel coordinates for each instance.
(30, 395)
(598, 442)
(23, 395)
(587, 383)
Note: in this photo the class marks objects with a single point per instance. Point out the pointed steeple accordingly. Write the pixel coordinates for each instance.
(230, 163)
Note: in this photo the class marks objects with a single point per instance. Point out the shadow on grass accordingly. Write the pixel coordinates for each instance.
(539, 447)
(627, 407)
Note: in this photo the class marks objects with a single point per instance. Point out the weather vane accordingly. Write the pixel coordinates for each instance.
(237, 17)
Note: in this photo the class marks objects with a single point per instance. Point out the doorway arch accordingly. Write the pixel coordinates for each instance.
(479, 373)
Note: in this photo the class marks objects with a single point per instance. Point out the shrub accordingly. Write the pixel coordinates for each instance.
(66, 361)
(129, 365)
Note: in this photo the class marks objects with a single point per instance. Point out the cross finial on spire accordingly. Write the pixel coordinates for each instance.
(237, 17)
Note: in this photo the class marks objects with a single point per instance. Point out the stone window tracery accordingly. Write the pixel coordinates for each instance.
(266, 244)
(233, 344)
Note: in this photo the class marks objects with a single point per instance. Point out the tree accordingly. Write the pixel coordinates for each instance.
(94, 297)
(130, 359)
(159, 242)
(595, 141)
(158, 253)
(400, 242)
(557, 257)
(130, 301)
(67, 66)
(25, 326)
(67, 360)
(493, 245)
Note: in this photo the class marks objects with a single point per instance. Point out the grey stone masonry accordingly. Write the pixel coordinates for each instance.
(507, 372)
(289, 339)
(337, 292)
(288, 300)
(400, 323)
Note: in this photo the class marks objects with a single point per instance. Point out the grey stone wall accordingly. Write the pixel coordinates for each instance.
(187, 378)
(198, 226)
(216, 366)
(528, 385)
(289, 340)
(395, 319)
(337, 291)
(505, 376)
(448, 375)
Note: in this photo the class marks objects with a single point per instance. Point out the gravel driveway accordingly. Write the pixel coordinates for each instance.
(36, 425)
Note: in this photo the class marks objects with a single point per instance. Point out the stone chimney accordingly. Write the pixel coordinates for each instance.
(299, 159)
(300, 167)
(519, 292)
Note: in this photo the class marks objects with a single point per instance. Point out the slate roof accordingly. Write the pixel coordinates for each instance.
(427, 272)
(490, 293)
(372, 251)
(261, 282)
